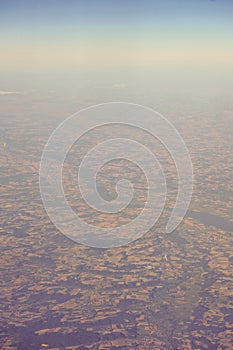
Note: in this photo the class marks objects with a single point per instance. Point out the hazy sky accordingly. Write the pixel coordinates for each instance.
(102, 43)
(68, 34)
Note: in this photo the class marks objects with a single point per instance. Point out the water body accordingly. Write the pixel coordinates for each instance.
(211, 220)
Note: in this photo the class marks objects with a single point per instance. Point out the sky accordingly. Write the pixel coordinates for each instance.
(115, 39)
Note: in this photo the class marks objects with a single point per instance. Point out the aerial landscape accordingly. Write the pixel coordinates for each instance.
(163, 290)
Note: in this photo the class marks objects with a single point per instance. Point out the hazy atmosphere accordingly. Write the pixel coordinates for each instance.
(159, 74)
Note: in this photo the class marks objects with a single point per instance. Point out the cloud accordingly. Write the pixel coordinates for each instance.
(114, 86)
(9, 92)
